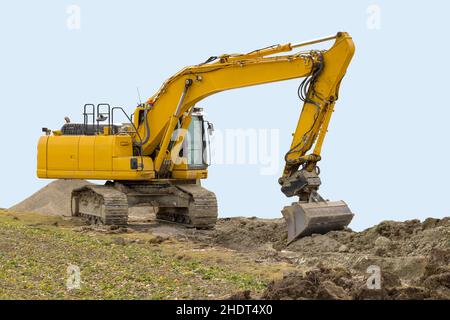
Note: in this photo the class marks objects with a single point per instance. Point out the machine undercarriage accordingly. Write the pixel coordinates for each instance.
(181, 202)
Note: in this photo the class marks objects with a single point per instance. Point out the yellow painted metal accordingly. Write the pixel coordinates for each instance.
(86, 158)
(257, 67)
(336, 61)
(323, 130)
(316, 113)
(42, 157)
(62, 153)
(90, 157)
(103, 151)
(107, 156)
(187, 174)
(213, 78)
(100, 175)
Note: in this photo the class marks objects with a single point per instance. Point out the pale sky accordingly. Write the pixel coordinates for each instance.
(386, 153)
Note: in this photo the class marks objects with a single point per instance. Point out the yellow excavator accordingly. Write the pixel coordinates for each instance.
(158, 157)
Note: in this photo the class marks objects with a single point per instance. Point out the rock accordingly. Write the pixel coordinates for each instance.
(318, 283)
(438, 281)
(408, 293)
(292, 286)
(444, 222)
(381, 252)
(430, 223)
(389, 280)
(439, 262)
(364, 293)
(383, 243)
(343, 248)
(330, 291)
(398, 230)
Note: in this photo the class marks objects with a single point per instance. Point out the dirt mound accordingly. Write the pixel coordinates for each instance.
(387, 239)
(341, 284)
(437, 273)
(53, 199)
(413, 258)
(393, 239)
(321, 283)
(247, 234)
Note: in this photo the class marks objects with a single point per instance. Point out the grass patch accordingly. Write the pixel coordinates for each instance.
(35, 252)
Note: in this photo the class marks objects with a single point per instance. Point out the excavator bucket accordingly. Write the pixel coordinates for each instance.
(304, 219)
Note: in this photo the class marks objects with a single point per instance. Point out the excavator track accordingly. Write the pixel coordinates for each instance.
(201, 212)
(100, 205)
(186, 204)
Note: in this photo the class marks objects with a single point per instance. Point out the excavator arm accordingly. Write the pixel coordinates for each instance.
(172, 105)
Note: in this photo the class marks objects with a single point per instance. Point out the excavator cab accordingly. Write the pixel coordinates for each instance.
(195, 147)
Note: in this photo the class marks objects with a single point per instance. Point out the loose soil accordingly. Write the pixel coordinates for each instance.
(413, 256)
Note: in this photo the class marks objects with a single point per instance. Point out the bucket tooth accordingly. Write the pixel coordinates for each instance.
(304, 219)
